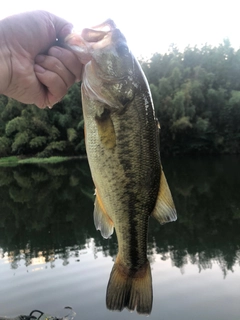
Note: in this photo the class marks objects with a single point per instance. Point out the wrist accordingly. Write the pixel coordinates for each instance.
(5, 62)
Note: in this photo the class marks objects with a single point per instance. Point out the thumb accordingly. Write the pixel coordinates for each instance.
(62, 27)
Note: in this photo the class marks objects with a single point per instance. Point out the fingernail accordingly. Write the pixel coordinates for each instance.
(40, 58)
(54, 51)
(39, 69)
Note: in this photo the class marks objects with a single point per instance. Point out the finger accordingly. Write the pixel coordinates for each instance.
(54, 65)
(62, 27)
(69, 59)
(55, 87)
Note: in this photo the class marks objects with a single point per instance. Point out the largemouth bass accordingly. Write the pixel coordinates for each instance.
(122, 143)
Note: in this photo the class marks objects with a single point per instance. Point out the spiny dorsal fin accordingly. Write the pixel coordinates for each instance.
(164, 210)
(101, 219)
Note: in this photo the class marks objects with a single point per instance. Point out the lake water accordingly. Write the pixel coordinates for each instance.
(51, 256)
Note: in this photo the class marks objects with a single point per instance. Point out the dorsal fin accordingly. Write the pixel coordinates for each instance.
(164, 210)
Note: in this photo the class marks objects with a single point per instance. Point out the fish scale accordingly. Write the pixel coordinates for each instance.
(122, 143)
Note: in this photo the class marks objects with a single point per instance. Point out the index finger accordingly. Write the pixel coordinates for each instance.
(69, 59)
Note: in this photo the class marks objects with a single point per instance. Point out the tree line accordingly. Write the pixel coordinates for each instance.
(196, 94)
(197, 98)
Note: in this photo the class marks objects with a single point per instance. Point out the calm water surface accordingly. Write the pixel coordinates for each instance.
(51, 256)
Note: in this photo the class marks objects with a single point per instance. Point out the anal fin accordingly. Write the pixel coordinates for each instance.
(164, 210)
(101, 219)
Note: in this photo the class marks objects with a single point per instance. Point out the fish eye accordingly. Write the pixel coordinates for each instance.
(122, 49)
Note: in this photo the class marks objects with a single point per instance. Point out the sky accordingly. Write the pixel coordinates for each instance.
(149, 25)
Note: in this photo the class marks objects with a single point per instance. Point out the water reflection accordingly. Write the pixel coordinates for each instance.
(46, 215)
(47, 210)
(206, 193)
(44, 209)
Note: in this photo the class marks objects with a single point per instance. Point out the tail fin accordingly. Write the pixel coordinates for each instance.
(132, 290)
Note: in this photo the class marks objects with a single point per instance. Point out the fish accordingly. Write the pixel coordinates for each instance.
(123, 150)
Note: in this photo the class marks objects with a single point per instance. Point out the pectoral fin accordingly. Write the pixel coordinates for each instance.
(164, 210)
(101, 219)
(106, 130)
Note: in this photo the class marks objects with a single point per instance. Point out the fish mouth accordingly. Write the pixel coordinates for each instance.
(98, 32)
(90, 39)
(94, 39)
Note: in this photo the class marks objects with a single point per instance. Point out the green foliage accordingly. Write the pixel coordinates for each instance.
(178, 105)
(181, 124)
(165, 88)
(58, 145)
(5, 144)
(197, 98)
(5, 161)
(52, 148)
(202, 124)
(15, 125)
(38, 142)
(54, 159)
(21, 140)
(27, 130)
(176, 78)
(10, 109)
(196, 94)
(71, 134)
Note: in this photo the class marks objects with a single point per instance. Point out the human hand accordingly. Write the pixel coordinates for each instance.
(34, 69)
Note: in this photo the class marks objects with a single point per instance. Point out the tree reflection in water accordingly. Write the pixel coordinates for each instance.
(46, 212)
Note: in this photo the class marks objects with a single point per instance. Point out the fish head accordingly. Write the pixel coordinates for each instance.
(109, 64)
